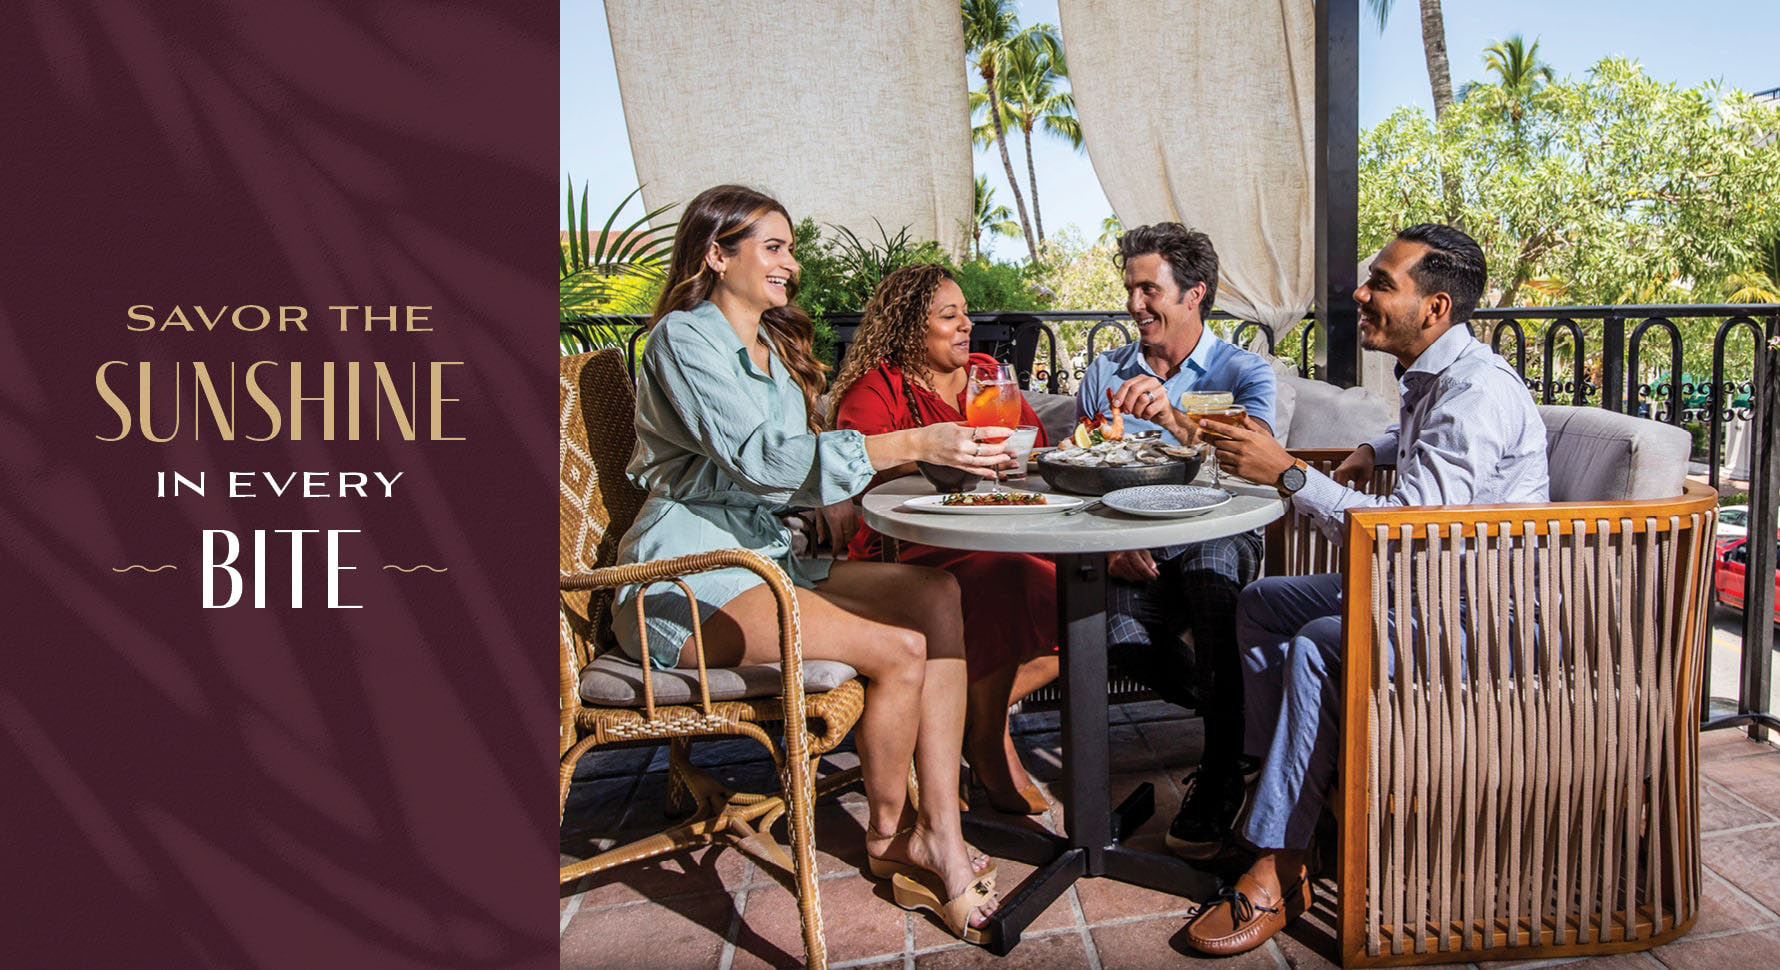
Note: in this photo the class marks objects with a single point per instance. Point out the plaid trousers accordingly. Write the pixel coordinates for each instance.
(1195, 594)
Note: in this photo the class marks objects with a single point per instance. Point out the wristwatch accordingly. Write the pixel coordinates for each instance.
(1292, 479)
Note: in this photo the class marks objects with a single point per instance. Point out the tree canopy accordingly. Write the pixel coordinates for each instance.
(1610, 188)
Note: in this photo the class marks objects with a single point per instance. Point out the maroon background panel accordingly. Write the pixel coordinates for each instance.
(276, 787)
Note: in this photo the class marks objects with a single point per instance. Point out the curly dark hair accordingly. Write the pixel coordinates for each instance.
(893, 329)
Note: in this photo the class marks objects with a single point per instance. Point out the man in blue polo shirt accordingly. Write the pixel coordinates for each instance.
(1171, 279)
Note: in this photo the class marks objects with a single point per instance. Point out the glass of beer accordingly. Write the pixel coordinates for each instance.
(1218, 408)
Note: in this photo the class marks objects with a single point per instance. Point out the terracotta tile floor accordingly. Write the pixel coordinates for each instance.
(715, 908)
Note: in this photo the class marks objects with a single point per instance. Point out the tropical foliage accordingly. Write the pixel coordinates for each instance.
(1433, 46)
(988, 216)
(602, 278)
(1611, 188)
(993, 38)
(1031, 74)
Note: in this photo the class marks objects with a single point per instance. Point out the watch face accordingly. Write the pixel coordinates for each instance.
(1293, 479)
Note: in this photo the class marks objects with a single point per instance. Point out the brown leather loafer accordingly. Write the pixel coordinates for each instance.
(1245, 916)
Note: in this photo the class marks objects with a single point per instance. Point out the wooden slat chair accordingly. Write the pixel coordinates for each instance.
(606, 699)
(1520, 777)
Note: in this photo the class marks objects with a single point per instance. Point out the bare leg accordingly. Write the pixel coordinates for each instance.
(901, 628)
(992, 754)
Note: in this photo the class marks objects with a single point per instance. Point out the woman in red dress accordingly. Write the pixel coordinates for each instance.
(907, 368)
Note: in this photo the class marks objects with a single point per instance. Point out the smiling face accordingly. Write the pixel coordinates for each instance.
(757, 275)
(948, 330)
(1164, 315)
(1394, 315)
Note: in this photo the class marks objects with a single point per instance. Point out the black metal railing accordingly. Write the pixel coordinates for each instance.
(1602, 356)
(1633, 359)
(1014, 338)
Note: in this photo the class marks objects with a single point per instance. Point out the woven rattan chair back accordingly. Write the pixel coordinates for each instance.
(596, 502)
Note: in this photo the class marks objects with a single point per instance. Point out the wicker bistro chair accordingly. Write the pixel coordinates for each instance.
(606, 699)
(1520, 771)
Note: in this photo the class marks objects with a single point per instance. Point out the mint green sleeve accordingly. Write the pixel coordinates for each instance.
(693, 390)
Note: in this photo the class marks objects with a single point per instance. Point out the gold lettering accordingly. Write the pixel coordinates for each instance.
(206, 391)
(439, 399)
(117, 403)
(263, 399)
(385, 382)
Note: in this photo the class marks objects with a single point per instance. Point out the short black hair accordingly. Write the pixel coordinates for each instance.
(1452, 265)
(1188, 253)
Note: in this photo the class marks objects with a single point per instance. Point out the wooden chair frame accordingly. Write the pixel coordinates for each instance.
(1515, 789)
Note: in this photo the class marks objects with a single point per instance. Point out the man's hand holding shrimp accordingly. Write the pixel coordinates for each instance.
(1144, 397)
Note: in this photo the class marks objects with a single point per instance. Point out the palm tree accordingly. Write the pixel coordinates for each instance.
(1030, 97)
(1110, 229)
(1520, 74)
(1433, 45)
(989, 217)
(991, 29)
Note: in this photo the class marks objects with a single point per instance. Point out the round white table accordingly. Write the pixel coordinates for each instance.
(1079, 543)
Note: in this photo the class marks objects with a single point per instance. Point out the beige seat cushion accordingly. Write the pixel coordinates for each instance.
(1599, 456)
(1326, 416)
(1285, 400)
(614, 680)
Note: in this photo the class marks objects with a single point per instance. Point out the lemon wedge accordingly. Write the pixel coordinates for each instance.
(1082, 439)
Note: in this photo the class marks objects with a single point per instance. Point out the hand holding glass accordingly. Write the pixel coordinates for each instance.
(992, 400)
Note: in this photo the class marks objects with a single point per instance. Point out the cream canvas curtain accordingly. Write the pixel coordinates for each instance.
(845, 111)
(1203, 112)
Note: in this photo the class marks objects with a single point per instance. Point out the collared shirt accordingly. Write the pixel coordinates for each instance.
(722, 446)
(1214, 365)
(1468, 434)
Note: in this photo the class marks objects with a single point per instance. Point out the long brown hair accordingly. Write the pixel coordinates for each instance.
(726, 215)
(893, 329)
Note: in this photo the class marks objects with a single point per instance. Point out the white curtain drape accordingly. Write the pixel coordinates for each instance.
(1203, 112)
(845, 112)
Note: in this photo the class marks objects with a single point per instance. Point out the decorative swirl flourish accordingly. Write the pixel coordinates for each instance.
(145, 569)
(399, 569)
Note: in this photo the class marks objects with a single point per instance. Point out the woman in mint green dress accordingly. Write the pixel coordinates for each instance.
(725, 443)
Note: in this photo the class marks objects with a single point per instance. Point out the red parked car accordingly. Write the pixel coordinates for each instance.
(1732, 568)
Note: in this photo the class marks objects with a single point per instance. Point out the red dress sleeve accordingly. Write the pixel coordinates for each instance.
(873, 405)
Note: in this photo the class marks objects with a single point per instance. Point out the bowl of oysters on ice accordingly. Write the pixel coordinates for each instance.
(1100, 457)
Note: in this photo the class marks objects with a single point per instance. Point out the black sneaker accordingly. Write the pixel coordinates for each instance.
(1208, 811)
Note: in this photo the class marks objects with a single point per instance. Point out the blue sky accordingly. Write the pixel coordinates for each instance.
(1732, 42)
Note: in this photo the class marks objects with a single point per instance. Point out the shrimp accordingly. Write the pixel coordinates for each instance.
(1115, 427)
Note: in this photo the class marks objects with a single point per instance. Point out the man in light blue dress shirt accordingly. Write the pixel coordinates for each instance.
(1171, 277)
(1468, 434)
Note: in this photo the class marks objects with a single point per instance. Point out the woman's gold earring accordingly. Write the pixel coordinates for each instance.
(720, 275)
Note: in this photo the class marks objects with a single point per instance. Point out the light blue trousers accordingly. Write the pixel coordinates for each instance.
(1289, 629)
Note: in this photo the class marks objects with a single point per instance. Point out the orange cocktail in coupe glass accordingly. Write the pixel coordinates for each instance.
(992, 400)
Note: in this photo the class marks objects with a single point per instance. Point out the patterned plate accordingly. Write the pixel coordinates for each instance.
(1166, 501)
